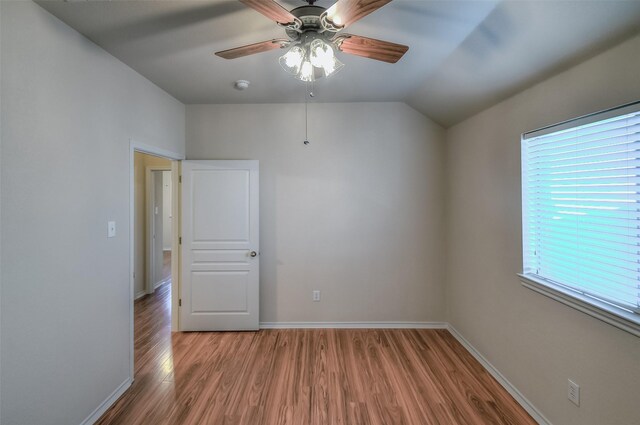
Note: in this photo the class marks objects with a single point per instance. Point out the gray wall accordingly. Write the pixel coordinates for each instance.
(357, 214)
(68, 111)
(536, 342)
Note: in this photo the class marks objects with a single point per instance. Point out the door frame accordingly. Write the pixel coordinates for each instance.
(175, 157)
(150, 215)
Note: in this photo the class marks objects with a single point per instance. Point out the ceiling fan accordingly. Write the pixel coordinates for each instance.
(314, 33)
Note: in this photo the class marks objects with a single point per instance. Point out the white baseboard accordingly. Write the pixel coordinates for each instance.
(115, 395)
(140, 295)
(511, 389)
(159, 284)
(353, 325)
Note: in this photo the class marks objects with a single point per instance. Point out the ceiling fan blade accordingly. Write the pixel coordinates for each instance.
(271, 10)
(371, 48)
(251, 49)
(346, 12)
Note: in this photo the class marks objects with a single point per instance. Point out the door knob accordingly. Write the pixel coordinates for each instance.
(253, 253)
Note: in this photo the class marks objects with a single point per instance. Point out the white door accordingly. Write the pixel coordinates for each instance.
(220, 263)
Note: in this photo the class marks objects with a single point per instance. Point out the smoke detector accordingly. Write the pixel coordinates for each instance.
(241, 85)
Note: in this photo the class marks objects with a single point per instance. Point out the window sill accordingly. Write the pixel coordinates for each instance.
(617, 317)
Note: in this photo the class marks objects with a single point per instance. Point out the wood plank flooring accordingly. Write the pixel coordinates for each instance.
(304, 377)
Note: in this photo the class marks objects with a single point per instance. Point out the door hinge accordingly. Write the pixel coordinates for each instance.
(179, 179)
(180, 302)
(180, 240)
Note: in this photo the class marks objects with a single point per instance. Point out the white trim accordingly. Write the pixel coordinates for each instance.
(162, 282)
(140, 295)
(95, 415)
(610, 314)
(176, 170)
(511, 389)
(156, 151)
(627, 108)
(353, 325)
(135, 146)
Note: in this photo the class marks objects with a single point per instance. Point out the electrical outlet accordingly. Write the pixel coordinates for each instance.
(574, 393)
(316, 296)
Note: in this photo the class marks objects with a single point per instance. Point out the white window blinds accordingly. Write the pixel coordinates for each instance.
(581, 206)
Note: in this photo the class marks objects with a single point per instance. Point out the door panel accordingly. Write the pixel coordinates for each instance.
(219, 291)
(222, 194)
(220, 286)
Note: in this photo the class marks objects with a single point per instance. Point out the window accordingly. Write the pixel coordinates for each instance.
(581, 214)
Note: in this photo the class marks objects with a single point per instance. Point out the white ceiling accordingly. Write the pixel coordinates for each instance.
(464, 55)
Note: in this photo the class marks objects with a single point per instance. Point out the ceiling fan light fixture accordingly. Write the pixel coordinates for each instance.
(292, 60)
(306, 72)
(322, 56)
(332, 67)
(310, 60)
(320, 53)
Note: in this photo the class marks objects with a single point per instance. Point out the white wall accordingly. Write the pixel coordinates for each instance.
(68, 112)
(357, 214)
(536, 342)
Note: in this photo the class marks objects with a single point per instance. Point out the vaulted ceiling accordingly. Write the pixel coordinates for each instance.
(464, 55)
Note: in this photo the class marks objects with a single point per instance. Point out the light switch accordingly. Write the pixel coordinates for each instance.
(111, 229)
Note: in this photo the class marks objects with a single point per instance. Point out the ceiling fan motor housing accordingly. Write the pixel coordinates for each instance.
(310, 18)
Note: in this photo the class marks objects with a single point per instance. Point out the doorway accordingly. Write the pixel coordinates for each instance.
(150, 271)
(154, 252)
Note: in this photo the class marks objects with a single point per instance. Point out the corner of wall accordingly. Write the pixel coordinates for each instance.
(446, 224)
(431, 121)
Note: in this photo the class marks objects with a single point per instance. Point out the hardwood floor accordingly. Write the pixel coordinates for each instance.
(304, 377)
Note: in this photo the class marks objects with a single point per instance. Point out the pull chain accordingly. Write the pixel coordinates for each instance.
(308, 94)
(306, 122)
